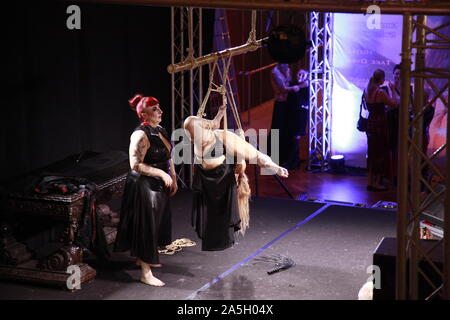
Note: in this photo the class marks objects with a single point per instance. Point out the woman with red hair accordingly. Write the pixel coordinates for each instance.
(145, 217)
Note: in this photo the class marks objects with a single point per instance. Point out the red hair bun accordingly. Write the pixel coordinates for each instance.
(135, 101)
(151, 101)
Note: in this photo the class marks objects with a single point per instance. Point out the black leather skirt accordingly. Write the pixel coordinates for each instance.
(145, 217)
(215, 215)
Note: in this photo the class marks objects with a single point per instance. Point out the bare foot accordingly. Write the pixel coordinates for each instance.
(153, 281)
(282, 172)
(147, 275)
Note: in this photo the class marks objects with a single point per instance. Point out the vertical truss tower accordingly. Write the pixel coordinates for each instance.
(320, 89)
(187, 88)
(415, 165)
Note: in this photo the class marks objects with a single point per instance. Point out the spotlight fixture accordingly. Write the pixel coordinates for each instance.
(337, 163)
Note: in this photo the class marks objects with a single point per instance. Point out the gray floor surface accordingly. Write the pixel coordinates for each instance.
(331, 252)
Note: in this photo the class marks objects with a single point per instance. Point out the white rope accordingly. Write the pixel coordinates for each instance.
(224, 89)
(201, 110)
(227, 94)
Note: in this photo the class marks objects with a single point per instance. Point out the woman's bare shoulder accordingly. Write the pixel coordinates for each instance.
(138, 135)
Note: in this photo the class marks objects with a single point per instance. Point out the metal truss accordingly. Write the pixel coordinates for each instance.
(187, 88)
(412, 257)
(412, 160)
(320, 89)
(436, 7)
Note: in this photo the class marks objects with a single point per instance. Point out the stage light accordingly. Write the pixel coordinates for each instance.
(337, 163)
(287, 44)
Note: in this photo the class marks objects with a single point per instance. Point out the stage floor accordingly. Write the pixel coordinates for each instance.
(331, 245)
(349, 186)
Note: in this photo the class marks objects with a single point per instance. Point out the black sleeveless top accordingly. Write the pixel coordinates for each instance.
(157, 155)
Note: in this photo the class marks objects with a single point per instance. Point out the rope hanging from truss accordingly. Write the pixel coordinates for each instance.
(225, 89)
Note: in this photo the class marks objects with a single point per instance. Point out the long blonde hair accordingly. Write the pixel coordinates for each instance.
(243, 197)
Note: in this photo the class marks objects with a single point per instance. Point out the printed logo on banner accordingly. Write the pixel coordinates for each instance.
(374, 20)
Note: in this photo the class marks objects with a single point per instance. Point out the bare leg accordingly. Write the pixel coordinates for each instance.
(200, 133)
(245, 151)
(158, 265)
(147, 276)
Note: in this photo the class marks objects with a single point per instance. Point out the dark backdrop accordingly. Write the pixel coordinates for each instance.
(67, 90)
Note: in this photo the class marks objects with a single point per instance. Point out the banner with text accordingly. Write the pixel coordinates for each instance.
(360, 47)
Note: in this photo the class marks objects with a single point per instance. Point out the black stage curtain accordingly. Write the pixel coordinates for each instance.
(67, 90)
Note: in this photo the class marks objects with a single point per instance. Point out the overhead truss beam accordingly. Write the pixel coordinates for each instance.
(429, 7)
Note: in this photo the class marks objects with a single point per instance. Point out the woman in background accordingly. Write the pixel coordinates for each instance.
(378, 102)
(285, 89)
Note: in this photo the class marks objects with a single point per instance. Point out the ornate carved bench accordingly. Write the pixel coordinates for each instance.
(107, 171)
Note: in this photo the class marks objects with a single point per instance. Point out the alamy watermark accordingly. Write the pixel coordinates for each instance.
(74, 280)
(74, 20)
(374, 20)
(375, 277)
(236, 152)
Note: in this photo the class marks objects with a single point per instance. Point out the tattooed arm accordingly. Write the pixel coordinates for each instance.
(139, 145)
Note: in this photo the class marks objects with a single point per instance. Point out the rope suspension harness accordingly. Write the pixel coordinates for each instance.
(225, 89)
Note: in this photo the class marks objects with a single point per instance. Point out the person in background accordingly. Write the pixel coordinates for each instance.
(427, 118)
(438, 133)
(282, 84)
(378, 102)
(296, 118)
(393, 123)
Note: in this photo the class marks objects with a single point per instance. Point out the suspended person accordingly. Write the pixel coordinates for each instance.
(378, 102)
(220, 185)
(145, 216)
